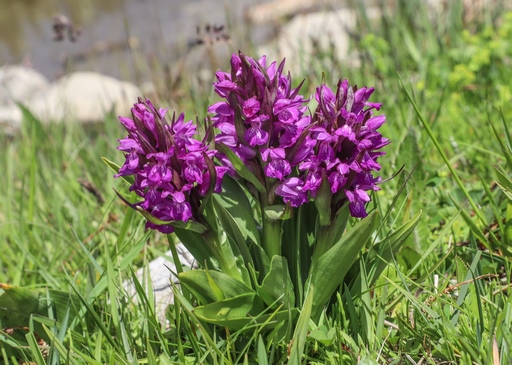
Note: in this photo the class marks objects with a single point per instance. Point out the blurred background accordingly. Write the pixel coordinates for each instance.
(114, 37)
(114, 51)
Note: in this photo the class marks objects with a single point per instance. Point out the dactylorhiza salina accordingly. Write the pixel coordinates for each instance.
(240, 200)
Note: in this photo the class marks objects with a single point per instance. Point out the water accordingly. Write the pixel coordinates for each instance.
(156, 30)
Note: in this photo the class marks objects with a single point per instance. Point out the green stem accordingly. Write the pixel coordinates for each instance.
(226, 267)
(175, 257)
(324, 241)
(177, 263)
(271, 236)
(327, 236)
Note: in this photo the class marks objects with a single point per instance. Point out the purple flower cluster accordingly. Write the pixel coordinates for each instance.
(347, 145)
(172, 170)
(262, 118)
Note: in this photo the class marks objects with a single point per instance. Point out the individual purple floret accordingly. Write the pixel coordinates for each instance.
(172, 170)
(347, 146)
(262, 117)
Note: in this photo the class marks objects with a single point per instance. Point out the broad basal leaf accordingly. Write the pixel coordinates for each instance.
(242, 311)
(17, 304)
(198, 283)
(277, 288)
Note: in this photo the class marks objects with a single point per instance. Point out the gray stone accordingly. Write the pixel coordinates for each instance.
(306, 34)
(84, 97)
(18, 84)
(160, 271)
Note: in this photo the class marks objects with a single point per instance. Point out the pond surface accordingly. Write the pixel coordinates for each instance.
(157, 29)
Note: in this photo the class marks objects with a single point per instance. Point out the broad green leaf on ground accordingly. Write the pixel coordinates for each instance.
(198, 283)
(231, 312)
(277, 288)
(17, 304)
(231, 320)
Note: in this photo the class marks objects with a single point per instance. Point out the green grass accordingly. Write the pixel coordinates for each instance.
(444, 298)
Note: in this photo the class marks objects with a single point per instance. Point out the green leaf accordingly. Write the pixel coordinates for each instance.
(277, 287)
(232, 311)
(198, 283)
(115, 167)
(301, 331)
(377, 258)
(442, 153)
(262, 352)
(321, 334)
(330, 270)
(17, 304)
(508, 228)
(219, 295)
(479, 234)
(505, 147)
(241, 168)
(276, 212)
(236, 203)
(410, 156)
(323, 201)
(34, 348)
(503, 178)
(197, 246)
(237, 245)
(506, 188)
(242, 312)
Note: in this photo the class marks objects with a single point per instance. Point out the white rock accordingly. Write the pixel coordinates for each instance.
(160, 271)
(274, 10)
(306, 33)
(10, 119)
(84, 97)
(19, 84)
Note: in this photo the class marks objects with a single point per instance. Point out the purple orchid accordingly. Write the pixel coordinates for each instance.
(170, 166)
(261, 118)
(347, 146)
(262, 121)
